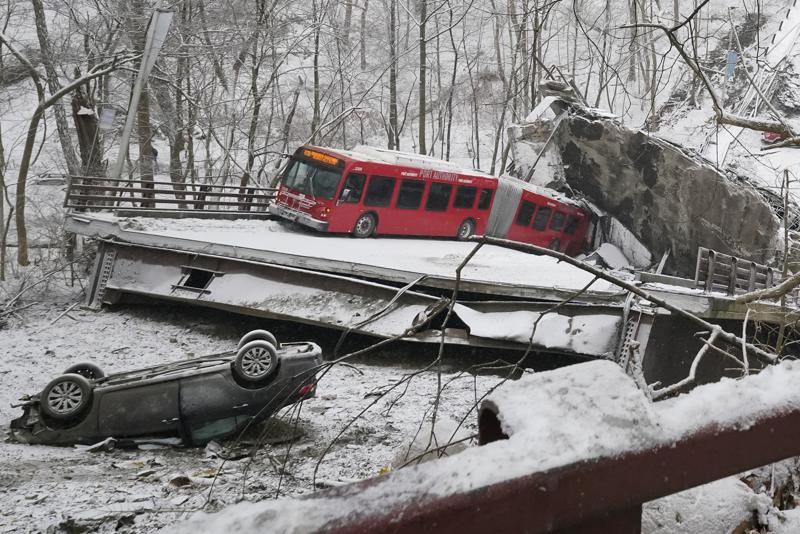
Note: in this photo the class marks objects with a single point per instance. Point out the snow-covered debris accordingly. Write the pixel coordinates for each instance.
(594, 334)
(612, 256)
(720, 507)
(584, 412)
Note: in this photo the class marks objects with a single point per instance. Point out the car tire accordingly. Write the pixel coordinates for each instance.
(66, 397)
(365, 226)
(266, 335)
(256, 361)
(87, 370)
(465, 230)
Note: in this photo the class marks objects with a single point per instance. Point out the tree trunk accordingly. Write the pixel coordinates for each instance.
(364, 35)
(90, 143)
(24, 167)
(348, 18)
(172, 123)
(423, 72)
(317, 27)
(452, 86)
(53, 85)
(394, 134)
(2, 207)
(251, 131)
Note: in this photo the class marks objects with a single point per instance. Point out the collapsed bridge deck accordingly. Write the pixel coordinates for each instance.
(380, 287)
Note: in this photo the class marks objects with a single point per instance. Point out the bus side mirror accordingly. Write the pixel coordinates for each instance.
(344, 197)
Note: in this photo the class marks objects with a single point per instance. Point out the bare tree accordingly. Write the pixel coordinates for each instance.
(44, 102)
(54, 85)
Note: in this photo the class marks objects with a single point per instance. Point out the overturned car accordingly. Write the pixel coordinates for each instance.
(196, 400)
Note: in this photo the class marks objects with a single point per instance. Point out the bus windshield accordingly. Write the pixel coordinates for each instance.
(319, 182)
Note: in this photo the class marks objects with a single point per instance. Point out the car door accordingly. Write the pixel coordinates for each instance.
(135, 410)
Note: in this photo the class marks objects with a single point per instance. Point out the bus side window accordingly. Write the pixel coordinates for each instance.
(353, 188)
(465, 197)
(485, 199)
(542, 216)
(572, 225)
(525, 214)
(438, 197)
(558, 221)
(379, 191)
(409, 197)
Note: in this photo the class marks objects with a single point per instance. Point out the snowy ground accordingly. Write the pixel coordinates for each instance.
(58, 489)
(42, 487)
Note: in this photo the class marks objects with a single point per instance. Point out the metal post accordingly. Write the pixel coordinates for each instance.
(156, 34)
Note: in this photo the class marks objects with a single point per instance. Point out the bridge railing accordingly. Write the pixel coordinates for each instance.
(87, 193)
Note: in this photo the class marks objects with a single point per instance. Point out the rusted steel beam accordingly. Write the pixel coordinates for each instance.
(593, 496)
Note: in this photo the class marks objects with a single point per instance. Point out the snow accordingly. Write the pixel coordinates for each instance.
(543, 110)
(785, 522)
(596, 334)
(716, 508)
(612, 256)
(772, 391)
(784, 40)
(42, 487)
(435, 257)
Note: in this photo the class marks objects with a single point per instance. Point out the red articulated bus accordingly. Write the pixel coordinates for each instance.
(369, 191)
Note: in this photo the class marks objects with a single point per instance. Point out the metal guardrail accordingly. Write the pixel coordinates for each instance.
(87, 193)
(600, 486)
(720, 272)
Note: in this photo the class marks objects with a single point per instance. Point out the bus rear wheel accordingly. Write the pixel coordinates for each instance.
(365, 225)
(465, 229)
(555, 244)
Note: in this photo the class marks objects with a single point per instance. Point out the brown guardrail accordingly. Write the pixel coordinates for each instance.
(491, 489)
(86, 193)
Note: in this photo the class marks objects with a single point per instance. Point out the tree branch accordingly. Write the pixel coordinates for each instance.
(726, 336)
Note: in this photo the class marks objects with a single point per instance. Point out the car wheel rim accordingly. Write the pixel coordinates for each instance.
(65, 397)
(466, 230)
(256, 362)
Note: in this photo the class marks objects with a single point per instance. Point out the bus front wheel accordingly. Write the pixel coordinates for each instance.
(466, 229)
(365, 225)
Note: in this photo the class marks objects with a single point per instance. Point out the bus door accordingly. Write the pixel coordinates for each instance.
(348, 203)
